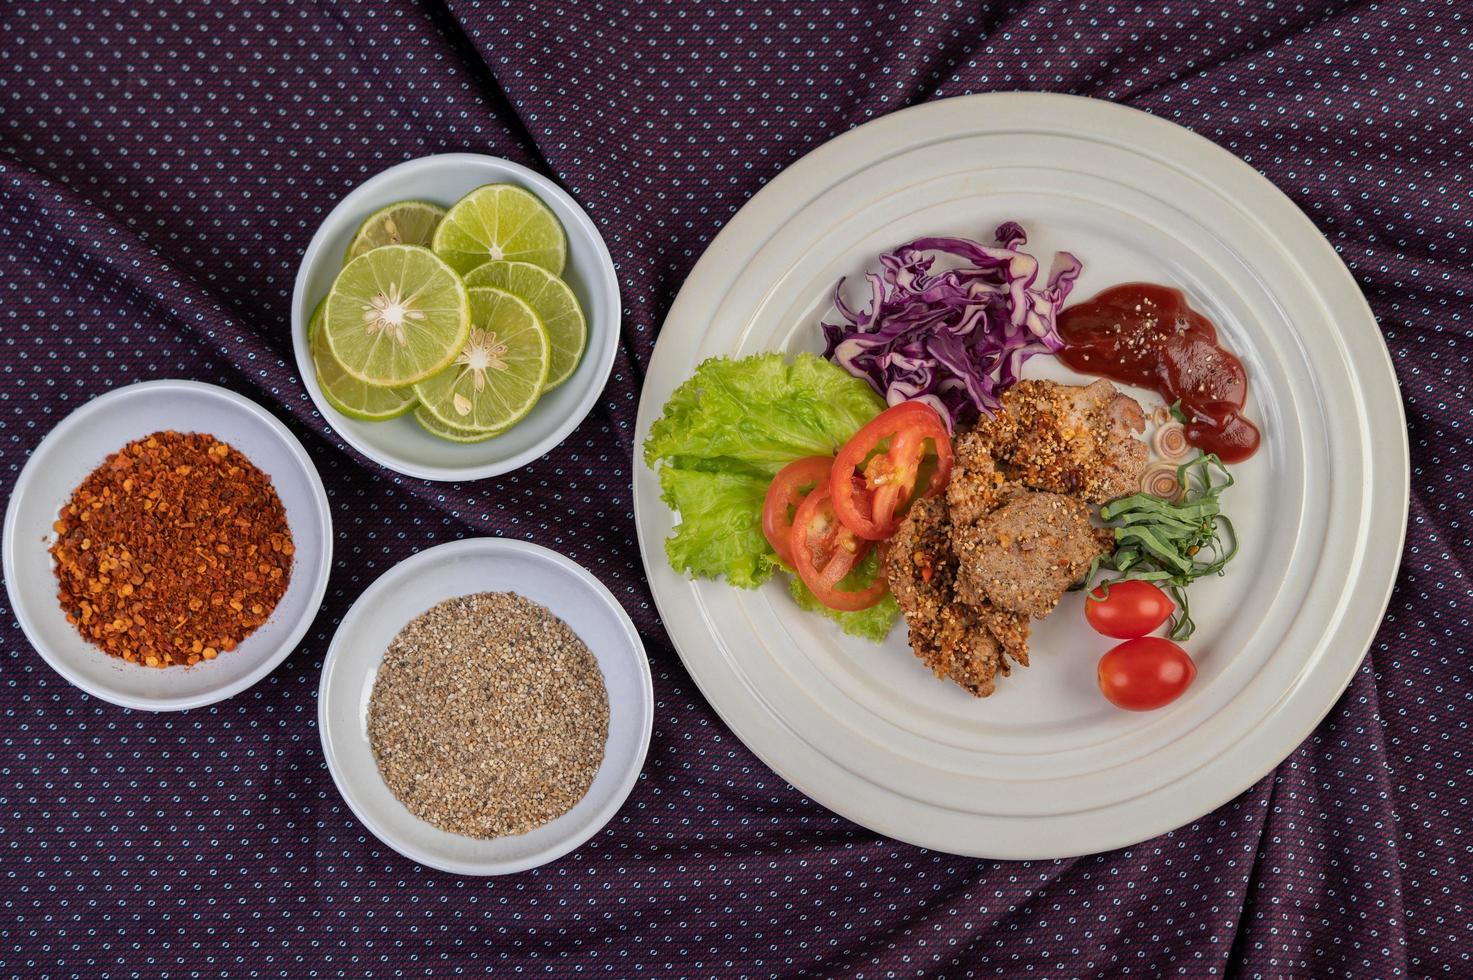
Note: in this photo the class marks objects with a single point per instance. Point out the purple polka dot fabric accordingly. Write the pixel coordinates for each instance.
(162, 167)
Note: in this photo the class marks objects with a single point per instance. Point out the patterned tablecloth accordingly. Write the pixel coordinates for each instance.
(162, 166)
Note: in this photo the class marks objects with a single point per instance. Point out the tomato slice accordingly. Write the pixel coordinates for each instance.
(784, 495)
(871, 487)
(824, 551)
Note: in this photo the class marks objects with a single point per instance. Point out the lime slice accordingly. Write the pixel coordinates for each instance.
(552, 301)
(435, 427)
(500, 221)
(497, 377)
(404, 223)
(396, 315)
(355, 399)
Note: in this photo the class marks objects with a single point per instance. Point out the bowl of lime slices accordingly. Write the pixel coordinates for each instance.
(455, 317)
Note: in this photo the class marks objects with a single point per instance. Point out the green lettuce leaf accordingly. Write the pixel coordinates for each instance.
(759, 414)
(722, 436)
(720, 530)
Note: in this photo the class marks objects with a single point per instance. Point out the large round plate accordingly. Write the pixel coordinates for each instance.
(1045, 767)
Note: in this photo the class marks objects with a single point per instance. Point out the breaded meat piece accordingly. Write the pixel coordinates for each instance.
(977, 485)
(1066, 439)
(1023, 556)
(1010, 630)
(968, 644)
(1012, 531)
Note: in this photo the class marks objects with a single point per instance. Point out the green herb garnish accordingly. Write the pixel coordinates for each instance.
(1171, 543)
(1178, 414)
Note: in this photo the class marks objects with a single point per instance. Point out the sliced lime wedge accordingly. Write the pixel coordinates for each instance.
(435, 427)
(498, 376)
(396, 315)
(402, 223)
(552, 301)
(355, 399)
(500, 221)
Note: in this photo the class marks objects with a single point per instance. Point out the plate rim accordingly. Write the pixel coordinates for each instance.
(807, 177)
(489, 545)
(295, 449)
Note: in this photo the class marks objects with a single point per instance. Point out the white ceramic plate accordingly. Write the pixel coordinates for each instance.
(456, 569)
(74, 449)
(1045, 767)
(401, 444)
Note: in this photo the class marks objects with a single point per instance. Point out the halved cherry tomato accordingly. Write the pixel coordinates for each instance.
(784, 495)
(1127, 609)
(872, 487)
(824, 551)
(1145, 673)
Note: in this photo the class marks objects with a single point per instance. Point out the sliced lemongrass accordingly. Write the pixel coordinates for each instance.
(1170, 441)
(1160, 480)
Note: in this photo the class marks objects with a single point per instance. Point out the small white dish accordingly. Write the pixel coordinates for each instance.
(401, 444)
(76, 447)
(456, 569)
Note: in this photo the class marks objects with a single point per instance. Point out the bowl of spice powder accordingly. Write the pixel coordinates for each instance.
(485, 706)
(167, 545)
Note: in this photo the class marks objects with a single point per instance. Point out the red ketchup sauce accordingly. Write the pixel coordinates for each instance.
(1147, 335)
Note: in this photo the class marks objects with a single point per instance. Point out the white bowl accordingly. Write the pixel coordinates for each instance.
(400, 444)
(456, 569)
(74, 449)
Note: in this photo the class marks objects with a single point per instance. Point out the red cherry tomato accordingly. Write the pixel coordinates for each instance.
(824, 551)
(1128, 609)
(872, 487)
(1145, 673)
(785, 493)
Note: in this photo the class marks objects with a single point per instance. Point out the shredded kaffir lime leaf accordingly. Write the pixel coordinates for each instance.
(1171, 544)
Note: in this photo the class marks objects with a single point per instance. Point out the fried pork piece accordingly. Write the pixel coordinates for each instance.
(1064, 438)
(1024, 555)
(968, 644)
(1013, 531)
(977, 486)
(1010, 630)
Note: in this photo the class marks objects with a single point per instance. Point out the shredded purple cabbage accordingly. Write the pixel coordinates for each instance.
(955, 339)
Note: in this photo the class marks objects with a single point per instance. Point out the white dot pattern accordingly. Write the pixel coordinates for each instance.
(162, 167)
